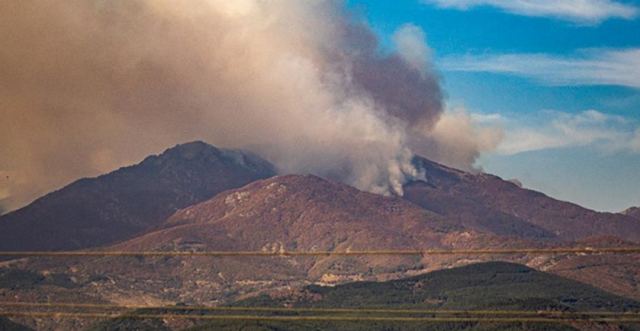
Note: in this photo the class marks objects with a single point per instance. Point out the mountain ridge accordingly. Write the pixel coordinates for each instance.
(486, 202)
(113, 207)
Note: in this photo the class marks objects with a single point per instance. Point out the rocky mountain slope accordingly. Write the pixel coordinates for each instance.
(292, 213)
(117, 206)
(489, 204)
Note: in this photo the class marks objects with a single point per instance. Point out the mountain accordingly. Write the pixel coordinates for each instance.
(120, 205)
(292, 213)
(633, 212)
(450, 209)
(493, 286)
(130, 201)
(487, 203)
(304, 213)
(287, 213)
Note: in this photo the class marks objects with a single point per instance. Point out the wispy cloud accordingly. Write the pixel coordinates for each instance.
(581, 11)
(552, 129)
(619, 67)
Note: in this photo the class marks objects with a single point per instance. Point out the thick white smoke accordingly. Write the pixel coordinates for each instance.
(87, 86)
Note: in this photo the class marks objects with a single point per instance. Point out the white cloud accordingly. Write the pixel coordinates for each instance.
(492, 118)
(589, 67)
(608, 133)
(582, 11)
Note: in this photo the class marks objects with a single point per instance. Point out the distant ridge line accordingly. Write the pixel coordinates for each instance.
(488, 251)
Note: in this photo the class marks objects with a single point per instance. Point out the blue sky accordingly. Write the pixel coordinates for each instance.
(561, 78)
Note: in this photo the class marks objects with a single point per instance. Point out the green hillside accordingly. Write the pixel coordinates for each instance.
(484, 286)
(487, 286)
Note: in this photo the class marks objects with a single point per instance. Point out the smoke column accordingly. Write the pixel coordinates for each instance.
(88, 86)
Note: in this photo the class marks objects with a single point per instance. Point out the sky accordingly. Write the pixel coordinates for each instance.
(561, 78)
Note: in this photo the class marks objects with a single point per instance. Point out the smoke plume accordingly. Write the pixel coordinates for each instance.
(88, 86)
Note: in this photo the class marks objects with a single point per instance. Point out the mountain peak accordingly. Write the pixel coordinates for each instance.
(191, 149)
(302, 212)
(206, 154)
(131, 200)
